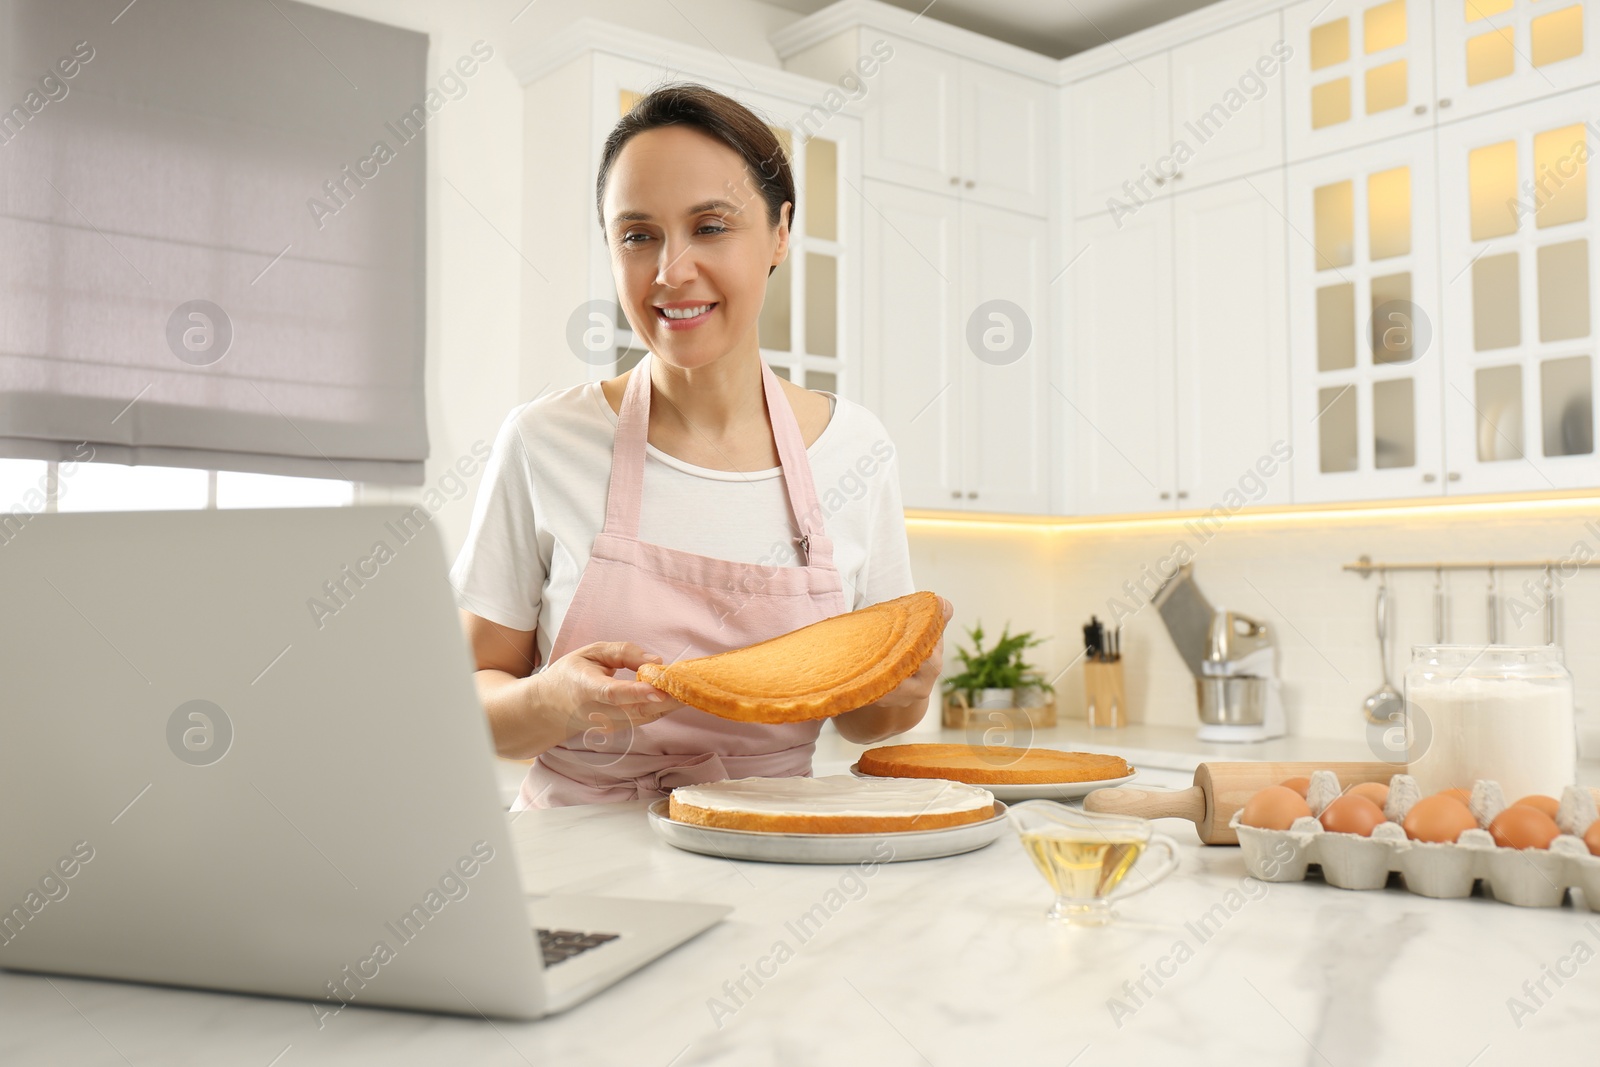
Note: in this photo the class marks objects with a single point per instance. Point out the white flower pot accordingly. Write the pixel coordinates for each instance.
(1031, 696)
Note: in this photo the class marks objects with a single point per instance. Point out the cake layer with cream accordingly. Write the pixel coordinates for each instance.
(836, 803)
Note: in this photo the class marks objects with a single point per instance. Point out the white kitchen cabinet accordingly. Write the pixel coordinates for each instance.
(1231, 344)
(1492, 54)
(939, 121)
(1179, 351)
(1207, 111)
(911, 245)
(912, 117)
(1365, 324)
(1520, 297)
(1123, 377)
(1004, 327)
(1362, 71)
(969, 429)
(1309, 271)
(1227, 103)
(1119, 129)
(1006, 139)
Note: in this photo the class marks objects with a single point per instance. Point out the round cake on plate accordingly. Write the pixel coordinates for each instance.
(834, 804)
(991, 766)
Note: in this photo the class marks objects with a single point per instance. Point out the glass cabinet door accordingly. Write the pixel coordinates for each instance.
(1363, 286)
(1360, 70)
(1495, 53)
(1517, 238)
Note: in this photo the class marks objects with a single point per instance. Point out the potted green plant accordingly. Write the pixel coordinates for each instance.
(999, 677)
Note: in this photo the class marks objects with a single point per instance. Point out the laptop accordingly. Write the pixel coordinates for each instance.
(243, 751)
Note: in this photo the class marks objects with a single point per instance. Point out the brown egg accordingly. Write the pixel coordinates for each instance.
(1376, 792)
(1520, 826)
(1350, 814)
(1274, 808)
(1463, 795)
(1440, 818)
(1299, 785)
(1591, 837)
(1548, 805)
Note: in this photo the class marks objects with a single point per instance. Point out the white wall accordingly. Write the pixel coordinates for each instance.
(1285, 571)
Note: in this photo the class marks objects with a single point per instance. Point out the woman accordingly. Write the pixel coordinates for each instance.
(674, 510)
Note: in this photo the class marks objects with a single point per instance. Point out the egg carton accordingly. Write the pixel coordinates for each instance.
(1529, 878)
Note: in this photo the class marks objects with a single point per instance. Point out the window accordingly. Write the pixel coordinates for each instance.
(235, 490)
(26, 486)
(114, 487)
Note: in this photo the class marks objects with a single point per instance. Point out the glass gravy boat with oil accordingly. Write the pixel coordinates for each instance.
(1086, 857)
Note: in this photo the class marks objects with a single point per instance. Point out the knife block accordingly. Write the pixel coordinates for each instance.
(1107, 701)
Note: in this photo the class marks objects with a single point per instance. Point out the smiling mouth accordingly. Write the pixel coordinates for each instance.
(685, 318)
(685, 314)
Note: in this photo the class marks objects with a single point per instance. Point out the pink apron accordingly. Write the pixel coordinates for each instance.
(682, 604)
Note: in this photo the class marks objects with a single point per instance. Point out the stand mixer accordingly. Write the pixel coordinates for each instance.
(1240, 697)
(1233, 659)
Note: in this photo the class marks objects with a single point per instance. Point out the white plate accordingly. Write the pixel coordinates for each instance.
(826, 848)
(1034, 791)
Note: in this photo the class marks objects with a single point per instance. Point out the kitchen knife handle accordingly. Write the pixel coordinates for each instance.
(1149, 803)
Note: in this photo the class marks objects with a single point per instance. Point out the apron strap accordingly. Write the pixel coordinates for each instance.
(815, 547)
(626, 492)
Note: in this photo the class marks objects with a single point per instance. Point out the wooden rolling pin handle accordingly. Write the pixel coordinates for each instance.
(1148, 803)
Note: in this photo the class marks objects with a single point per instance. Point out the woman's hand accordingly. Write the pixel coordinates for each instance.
(581, 689)
(576, 695)
(903, 706)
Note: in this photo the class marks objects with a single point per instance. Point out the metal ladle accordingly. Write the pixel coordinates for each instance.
(1384, 706)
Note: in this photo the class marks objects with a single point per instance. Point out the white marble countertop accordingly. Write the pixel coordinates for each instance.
(937, 962)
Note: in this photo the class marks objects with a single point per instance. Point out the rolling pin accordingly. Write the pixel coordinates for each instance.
(1220, 789)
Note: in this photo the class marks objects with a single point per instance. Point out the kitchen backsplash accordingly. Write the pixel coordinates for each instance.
(1284, 570)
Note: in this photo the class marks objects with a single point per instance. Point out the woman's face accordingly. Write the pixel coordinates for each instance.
(687, 227)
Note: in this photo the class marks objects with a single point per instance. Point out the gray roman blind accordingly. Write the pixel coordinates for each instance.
(212, 236)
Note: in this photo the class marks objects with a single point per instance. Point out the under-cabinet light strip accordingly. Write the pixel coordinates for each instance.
(1531, 508)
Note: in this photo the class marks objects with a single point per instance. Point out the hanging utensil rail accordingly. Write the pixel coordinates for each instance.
(1365, 566)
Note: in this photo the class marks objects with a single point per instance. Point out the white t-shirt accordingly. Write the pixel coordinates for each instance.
(543, 500)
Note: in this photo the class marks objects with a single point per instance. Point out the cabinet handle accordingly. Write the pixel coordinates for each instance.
(1455, 476)
(1421, 109)
(1176, 175)
(955, 181)
(1430, 477)
(970, 183)
(972, 496)
(1183, 494)
(1161, 181)
(1444, 103)
(955, 494)
(1166, 495)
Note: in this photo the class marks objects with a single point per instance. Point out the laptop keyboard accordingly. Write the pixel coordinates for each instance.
(558, 945)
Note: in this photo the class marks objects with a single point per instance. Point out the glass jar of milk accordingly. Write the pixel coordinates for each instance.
(1500, 712)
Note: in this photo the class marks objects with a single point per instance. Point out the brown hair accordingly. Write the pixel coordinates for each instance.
(718, 116)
